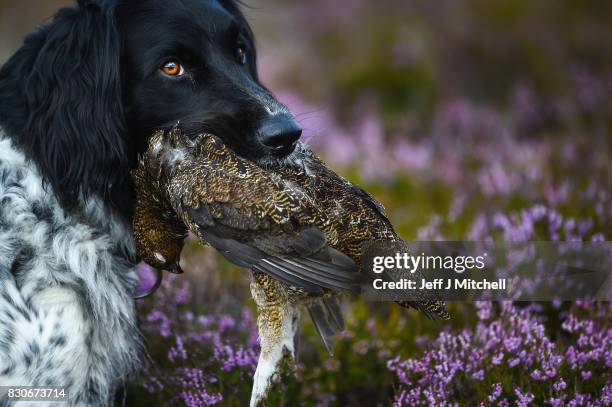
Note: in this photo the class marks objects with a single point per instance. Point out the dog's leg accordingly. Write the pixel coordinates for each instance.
(277, 323)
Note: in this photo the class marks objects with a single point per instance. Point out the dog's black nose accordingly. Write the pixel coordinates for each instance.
(280, 134)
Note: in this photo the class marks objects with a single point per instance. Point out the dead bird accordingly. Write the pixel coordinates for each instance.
(299, 228)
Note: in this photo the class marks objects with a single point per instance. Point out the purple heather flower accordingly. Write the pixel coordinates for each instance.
(160, 321)
(606, 394)
(556, 402)
(484, 309)
(232, 357)
(536, 374)
(579, 400)
(503, 403)
(497, 358)
(200, 398)
(181, 294)
(226, 322)
(476, 353)
(496, 391)
(178, 351)
(524, 399)
(559, 385)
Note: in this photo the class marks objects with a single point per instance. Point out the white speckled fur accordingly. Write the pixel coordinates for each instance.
(67, 316)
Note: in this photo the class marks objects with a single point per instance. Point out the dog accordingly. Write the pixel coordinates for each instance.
(78, 102)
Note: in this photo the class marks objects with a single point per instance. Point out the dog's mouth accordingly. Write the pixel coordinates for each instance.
(243, 143)
(291, 159)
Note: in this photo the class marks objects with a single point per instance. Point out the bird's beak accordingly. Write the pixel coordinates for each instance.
(175, 269)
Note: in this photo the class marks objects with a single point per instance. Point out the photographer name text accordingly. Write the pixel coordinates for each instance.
(440, 284)
(456, 265)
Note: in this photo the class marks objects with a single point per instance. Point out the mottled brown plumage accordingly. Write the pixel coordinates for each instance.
(299, 227)
(251, 215)
(159, 234)
(355, 216)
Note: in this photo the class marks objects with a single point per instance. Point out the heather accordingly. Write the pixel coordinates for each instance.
(489, 122)
(509, 357)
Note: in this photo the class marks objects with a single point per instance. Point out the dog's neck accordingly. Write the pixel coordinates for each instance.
(92, 212)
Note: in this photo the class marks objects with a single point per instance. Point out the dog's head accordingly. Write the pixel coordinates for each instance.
(194, 61)
(86, 91)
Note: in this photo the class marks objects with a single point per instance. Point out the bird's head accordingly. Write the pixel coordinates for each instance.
(158, 233)
(159, 239)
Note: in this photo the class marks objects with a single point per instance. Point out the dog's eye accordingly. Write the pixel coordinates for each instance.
(240, 54)
(173, 68)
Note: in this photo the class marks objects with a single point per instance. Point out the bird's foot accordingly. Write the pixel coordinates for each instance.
(269, 372)
(278, 324)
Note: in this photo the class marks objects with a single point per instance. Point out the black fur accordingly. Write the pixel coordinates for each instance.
(85, 91)
(60, 99)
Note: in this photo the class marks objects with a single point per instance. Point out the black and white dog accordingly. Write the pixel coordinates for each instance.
(77, 103)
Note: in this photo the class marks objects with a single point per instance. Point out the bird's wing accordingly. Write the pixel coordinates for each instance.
(306, 273)
(256, 219)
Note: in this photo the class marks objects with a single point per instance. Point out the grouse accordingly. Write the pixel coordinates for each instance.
(299, 227)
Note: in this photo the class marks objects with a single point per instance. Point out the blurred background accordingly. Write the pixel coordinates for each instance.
(406, 58)
(468, 119)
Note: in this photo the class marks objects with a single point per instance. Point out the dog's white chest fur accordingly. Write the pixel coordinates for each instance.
(67, 317)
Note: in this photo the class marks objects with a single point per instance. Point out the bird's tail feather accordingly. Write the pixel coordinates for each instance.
(327, 319)
(433, 309)
(333, 308)
(428, 302)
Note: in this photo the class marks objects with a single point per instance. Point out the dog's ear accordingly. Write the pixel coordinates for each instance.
(75, 127)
